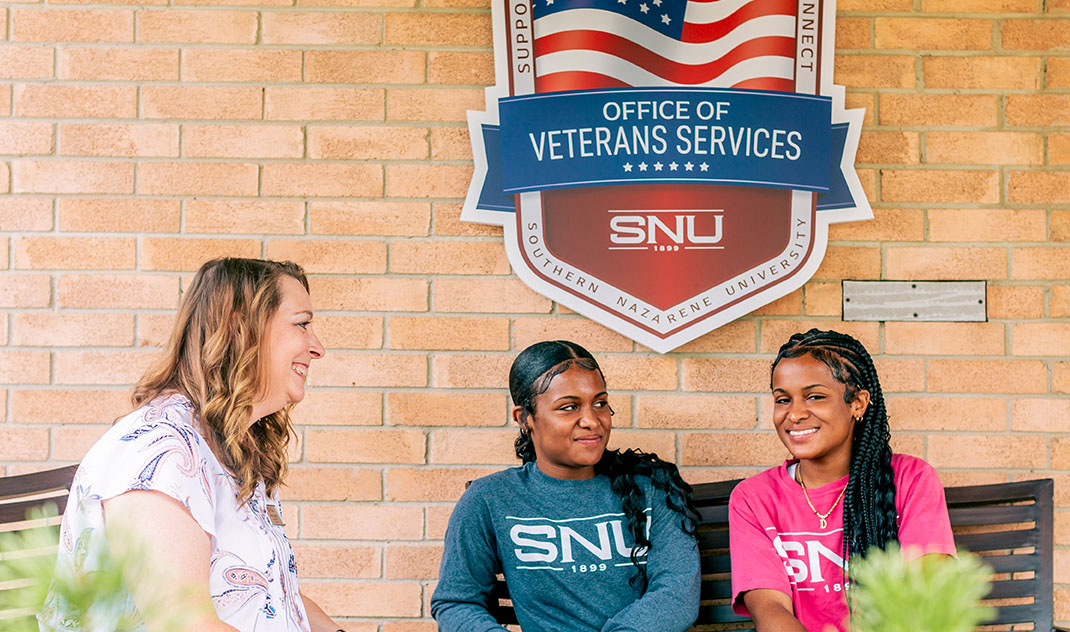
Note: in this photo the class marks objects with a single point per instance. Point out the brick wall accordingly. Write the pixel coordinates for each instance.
(137, 140)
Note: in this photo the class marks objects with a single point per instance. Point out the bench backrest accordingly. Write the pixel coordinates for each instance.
(1009, 524)
(18, 496)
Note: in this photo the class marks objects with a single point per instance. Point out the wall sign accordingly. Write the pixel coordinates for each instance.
(664, 166)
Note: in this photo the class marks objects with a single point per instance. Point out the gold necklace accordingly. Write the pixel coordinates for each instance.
(822, 518)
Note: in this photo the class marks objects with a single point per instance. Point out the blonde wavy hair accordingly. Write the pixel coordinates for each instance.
(217, 359)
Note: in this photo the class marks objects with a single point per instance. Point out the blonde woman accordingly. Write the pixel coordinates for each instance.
(192, 475)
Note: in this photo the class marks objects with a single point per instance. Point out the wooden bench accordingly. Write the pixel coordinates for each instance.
(1009, 524)
(19, 495)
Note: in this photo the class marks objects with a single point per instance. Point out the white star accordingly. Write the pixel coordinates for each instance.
(704, 167)
(644, 8)
(658, 166)
(665, 18)
(642, 166)
(628, 166)
(689, 166)
(657, 3)
(549, 2)
(622, 1)
(673, 166)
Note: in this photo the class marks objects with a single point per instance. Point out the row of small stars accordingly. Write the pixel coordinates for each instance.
(644, 7)
(673, 166)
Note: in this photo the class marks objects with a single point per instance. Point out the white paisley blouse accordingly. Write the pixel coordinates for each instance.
(253, 576)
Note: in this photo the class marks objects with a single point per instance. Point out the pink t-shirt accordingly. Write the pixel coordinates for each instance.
(776, 541)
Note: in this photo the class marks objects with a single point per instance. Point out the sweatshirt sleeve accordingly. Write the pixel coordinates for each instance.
(469, 565)
(671, 600)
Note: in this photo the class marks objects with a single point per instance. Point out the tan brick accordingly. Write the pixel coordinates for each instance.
(487, 295)
(125, 64)
(1058, 72)
(470, 370)
(986, 225)
(25, 214)
(946, 413)
(939, 186)
(1041, 415)
(72, 329)
(439, 29)
(332, 180)
(367, 143)
(732, 448)
(420, 561)
(662, 444)
(1060, 460)
(888, 224)
(1059, 148)
(853, 33)
(197, 178)
(429, 408)
(432, 104)
(68, 176)
(725, 375)
(595, 337)
(72, 25)
(434, 180)
(375, 370)
(900, 375)
(696, 411)
(889, 148)
(460, 68)
(988, 73)
(365, 66)
(154, 330)
(196, 27)
(1060, 301)
(1015, 301)
(370, 218)
(200, 102)
(776, 332)
(137, 139)
(324, 104)
(1040, 263)
(473, 446)
(243, 141)
(101, 367)
(24, 444)
(24, 367)
(241, 65)
(823, 299)
(1039, 187)
(1040, 35)
(987, 376)
(979, 6)
(68, 406)
(430, 484)
(938, 109)
(361, 522)
(450, 143)
(850, 262)
(25, 138)
(370, 294)
(181, 254)
(943, 338)
(452, 257)
(933, 33)
(25, 62)
(25, 290)
(350, 332)
(990, 148)
(338, 408)
(118, 215)
(61, 101)
(333, 256)
(5, 95)
(5, 187)
(448, 332)
(346, 445)
(348, 599)
(875, 71)
(1041, 339)
(1038, 110)
(75, 253)
(320, 28)
(112, 291)
(648, 373)
(332, 561)
(988, 451)
(447, 220)
(946, 263)
(739, 336)
(245, 216)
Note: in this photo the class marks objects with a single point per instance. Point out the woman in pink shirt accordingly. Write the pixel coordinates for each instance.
(793, 526)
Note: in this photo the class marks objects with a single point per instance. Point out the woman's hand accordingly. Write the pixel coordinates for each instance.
(174, 550)
(772, 611)
(317, 618)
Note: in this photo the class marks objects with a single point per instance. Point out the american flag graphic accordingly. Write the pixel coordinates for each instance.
(589, 44)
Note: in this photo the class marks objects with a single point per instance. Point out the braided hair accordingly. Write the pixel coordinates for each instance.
(869, 515)
(530, 376)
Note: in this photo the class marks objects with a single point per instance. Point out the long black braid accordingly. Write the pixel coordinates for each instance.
(869, 515)
(530, 376)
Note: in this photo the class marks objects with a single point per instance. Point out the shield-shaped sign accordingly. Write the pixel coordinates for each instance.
(664, 166)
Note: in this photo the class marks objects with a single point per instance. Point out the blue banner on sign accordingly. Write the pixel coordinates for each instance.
(662, 135)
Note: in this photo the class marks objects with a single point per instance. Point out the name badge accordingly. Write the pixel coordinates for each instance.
(274, 516)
